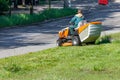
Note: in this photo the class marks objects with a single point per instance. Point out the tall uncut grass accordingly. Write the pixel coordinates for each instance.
(23, 19)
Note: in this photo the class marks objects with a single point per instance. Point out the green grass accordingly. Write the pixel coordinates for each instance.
(92, 62)
(42, 2)
(23, 19)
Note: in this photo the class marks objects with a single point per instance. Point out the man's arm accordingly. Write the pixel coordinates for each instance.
(72, 21)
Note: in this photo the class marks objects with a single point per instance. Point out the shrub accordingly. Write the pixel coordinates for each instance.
(104, 39)
(3, 6)
(22, 19)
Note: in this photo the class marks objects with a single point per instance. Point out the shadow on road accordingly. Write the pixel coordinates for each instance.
(108, 15)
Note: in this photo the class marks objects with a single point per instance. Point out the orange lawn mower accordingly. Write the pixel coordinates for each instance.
(87, 33)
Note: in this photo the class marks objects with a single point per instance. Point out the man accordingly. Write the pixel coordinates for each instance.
(75, 21)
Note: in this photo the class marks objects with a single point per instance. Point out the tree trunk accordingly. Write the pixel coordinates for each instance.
(31, 7)
(49, 4)
(10, 3)
(23, 2)
(16, 4)
(66, 4)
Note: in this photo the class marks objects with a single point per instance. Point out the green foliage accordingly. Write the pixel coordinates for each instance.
(3, 6)
(56, 13)
(12, 67)
(22, 19)
(99, 67)
(103, 39)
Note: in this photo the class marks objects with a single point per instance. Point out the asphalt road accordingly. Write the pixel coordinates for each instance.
(21, 40)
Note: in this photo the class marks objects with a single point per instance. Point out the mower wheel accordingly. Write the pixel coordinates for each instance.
(59, 42)
(76, 41)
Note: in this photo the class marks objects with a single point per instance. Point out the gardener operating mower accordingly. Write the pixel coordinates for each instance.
(76, 21)
(79, 32)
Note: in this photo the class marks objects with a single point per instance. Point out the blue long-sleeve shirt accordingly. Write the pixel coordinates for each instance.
(76, 19)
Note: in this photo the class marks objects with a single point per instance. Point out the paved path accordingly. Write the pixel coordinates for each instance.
(41, 36)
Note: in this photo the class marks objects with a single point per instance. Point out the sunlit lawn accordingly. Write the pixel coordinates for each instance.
(91, 62)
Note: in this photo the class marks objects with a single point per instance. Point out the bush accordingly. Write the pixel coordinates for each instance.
(22, 19)
(103, 39)
(3, 6)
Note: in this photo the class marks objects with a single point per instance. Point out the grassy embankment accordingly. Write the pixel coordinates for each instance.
(92, 62)
(23, 19)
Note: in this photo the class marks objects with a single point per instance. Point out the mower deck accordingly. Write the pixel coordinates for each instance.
(67, 44)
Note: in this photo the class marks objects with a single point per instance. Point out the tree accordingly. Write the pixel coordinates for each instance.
(67, 3)
(15, 3)
(49, 1)
(3, 6)
(10, 3)
(23, 2)
(31, 7)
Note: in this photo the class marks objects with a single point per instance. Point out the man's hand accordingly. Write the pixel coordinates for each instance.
(71, 23)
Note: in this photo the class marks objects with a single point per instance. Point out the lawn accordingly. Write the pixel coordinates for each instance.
(90, 62)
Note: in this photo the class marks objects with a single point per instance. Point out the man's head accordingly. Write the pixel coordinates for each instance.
(79, 11)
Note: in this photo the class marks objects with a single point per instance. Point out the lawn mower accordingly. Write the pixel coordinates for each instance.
(87, 33)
